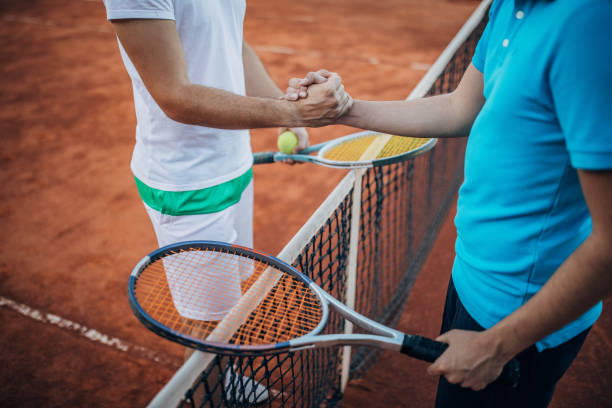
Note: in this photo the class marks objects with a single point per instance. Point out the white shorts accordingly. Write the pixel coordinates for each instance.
(234, 225)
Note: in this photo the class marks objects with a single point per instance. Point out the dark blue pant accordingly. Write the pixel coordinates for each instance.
(540, 371)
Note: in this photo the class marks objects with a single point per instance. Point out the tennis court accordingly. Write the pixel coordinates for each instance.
(74, 226)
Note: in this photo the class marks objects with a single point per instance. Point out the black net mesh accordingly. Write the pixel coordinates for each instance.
(402, 206)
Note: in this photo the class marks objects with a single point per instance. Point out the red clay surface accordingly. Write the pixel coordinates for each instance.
(73, 225)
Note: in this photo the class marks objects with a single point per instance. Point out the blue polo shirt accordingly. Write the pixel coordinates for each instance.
(547, 69)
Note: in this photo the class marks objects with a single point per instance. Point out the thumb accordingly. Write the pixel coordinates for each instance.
(434, 370)
(334, 81)
(445, 337)
(313, 78)
(324, 72)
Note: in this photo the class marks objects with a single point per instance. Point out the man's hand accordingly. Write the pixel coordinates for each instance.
(298, 87)
(472, 359)
(302, 136)
(320, 97)
(326, 102)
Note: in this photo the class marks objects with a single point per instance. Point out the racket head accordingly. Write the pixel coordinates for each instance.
(347, 151)
(261, 313)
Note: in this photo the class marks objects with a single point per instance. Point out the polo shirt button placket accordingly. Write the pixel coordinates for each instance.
(519, 16)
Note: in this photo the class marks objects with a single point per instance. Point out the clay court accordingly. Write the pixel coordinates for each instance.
(73, 225)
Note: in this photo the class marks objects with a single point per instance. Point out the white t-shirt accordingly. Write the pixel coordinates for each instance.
(173, 156)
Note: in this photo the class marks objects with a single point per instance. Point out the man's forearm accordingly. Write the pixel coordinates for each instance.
(582, 280)
(475, 359)
(448, 115)
(199, 105)
(155, 49)
(257, 80)
(427, 117)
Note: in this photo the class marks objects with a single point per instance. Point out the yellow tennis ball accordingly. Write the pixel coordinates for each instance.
(287, 142)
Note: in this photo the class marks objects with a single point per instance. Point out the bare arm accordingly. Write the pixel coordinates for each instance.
(155, 50)
(258, 81)
(475, 359)
(448, 115)
(581, 281)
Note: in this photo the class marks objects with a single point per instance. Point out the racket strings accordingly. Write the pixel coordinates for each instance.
(200, 294)
(352, 150)
(285, 313)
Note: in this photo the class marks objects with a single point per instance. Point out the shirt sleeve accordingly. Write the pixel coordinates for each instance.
(480, 55)
(481, 50)
(145, 9)
(581, 86)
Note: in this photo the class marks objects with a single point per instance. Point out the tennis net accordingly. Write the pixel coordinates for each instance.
(364, 245)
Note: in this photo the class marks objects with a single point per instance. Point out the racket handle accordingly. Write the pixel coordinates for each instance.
(423, 348)
(429, 350)
(263, 157)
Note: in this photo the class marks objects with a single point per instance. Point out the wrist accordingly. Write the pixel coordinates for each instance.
(354, 116)
(288, 114)
(503, 341)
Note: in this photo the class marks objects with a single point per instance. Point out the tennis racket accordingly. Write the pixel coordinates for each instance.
(363, 149)
(276, 308)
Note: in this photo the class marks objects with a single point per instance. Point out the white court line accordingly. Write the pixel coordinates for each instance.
(89, 333)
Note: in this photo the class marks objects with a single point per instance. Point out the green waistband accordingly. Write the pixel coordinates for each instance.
(204, 201)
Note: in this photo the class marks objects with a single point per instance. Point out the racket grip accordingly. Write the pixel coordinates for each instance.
(263, 157)
(423, 348)
(429, 350)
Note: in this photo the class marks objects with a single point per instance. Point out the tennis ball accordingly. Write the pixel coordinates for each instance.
(287, 142)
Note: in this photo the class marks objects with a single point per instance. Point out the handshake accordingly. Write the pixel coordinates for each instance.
(319, 99)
